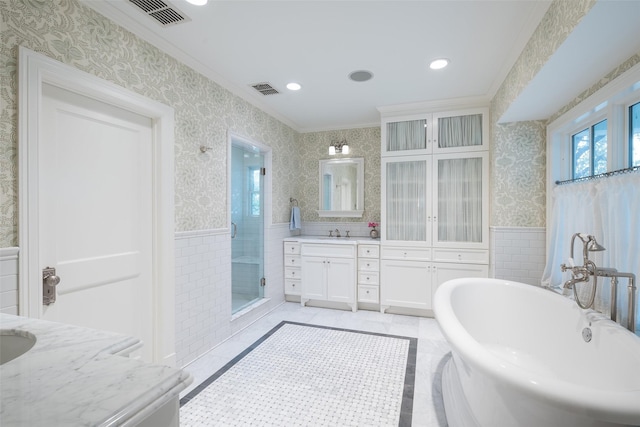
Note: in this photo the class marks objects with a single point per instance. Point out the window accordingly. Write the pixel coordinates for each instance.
(254, 191)
(634, 135)
(589, 150)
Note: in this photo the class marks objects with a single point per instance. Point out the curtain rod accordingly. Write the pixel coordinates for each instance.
(602, 175)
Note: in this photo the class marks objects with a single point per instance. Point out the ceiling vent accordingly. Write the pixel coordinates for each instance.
(161, 11)
(265, 88)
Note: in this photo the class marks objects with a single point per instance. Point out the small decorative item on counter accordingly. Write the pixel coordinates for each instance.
(374, 233)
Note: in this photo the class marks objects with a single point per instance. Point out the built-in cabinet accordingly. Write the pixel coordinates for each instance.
(328, 273)
(292, 270)
(369, 273)
(435, 216)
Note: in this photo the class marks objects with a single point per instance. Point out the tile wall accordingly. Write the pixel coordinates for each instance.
(9, 280)
(518, 253)
(203, 289)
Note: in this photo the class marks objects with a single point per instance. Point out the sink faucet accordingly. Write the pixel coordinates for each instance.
(337, 233)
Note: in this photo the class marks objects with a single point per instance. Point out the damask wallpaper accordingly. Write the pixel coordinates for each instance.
(314, 147)
(73, 34)
(518, 159)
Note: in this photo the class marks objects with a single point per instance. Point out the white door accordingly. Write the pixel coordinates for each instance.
(95, 201)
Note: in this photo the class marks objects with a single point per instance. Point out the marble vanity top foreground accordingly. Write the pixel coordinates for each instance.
(76, 376)
(334, 240)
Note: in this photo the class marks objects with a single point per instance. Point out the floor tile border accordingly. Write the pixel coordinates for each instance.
(406, 411)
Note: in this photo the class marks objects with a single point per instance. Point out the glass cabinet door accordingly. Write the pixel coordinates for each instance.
(407, 135)
(460, 198)
(406, 199)
(460, 131)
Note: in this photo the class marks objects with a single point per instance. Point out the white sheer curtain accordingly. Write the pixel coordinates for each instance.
(406, 201)
(609, 209)
(410, 135)
(460, 131)
(460, 200)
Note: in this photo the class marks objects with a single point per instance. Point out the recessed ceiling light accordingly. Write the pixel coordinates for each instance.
(438, 64)
(198, 2)
(361, 76)
(293, 86)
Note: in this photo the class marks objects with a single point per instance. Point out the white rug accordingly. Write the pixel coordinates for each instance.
(306, 375)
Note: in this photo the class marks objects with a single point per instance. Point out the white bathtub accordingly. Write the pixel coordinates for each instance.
(519, 359)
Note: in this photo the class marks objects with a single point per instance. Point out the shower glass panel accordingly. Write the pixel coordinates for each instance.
(247, 226)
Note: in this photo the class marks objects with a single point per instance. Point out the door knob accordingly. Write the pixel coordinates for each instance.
(49, 283)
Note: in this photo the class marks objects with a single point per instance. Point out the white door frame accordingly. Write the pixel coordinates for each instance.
(35, 70)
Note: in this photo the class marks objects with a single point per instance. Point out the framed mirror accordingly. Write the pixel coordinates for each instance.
(341, 186)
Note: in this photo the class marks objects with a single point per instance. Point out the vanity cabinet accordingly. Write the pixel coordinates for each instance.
(292, 269)
(435, 203)
(328, 273)
(369, 273)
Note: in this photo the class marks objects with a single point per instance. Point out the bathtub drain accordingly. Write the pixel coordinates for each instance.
(586, 334)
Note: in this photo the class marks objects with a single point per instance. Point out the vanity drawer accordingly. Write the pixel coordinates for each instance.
(328, 250)
(292, 287)
(292, 273)
(368, 278)
(292, 261)
(472, 256)
(369, 251)
(368, 264)
(292, 248)
(406, 253)
(368, 293)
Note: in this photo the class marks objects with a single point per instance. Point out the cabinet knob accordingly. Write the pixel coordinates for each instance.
(293, 273)
(460, 257)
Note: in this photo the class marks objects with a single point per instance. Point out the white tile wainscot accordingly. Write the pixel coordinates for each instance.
(9, 280)
(518, 253)
(203, 289)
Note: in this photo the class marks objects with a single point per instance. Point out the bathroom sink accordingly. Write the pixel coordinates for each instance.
(14, 344)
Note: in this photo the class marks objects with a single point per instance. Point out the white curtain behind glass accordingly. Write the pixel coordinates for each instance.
(406, 201)
(607, 208)
(460, 131)
(460, 200)
(410, 135)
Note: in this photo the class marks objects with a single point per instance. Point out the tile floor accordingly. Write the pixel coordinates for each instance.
(432, 353)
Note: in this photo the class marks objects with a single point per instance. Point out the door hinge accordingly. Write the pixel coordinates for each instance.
(263, 171)
(263, 282)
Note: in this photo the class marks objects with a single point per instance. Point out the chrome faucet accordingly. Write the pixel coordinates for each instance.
(337, 233)
(583, 273)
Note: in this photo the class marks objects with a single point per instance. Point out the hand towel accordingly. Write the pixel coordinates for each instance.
(295, 223)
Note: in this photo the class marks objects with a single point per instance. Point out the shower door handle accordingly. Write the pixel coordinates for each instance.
(234, 230)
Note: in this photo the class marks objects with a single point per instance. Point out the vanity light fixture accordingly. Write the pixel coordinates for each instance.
(197, 2)
(293, 86)
(438, 64)
(338, 147)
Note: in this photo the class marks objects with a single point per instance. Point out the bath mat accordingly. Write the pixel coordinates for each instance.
(306, 375)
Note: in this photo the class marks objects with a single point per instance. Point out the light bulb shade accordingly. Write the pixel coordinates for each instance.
(345, 149)
(332, 150)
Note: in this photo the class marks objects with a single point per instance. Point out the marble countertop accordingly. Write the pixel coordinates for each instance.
(76, 376)
(354, 240)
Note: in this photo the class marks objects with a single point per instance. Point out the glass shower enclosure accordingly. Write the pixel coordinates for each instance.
(247, 226)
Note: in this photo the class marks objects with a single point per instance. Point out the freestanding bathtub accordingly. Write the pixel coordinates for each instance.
(526, 356)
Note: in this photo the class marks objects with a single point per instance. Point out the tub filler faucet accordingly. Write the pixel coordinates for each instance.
(583, 273)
